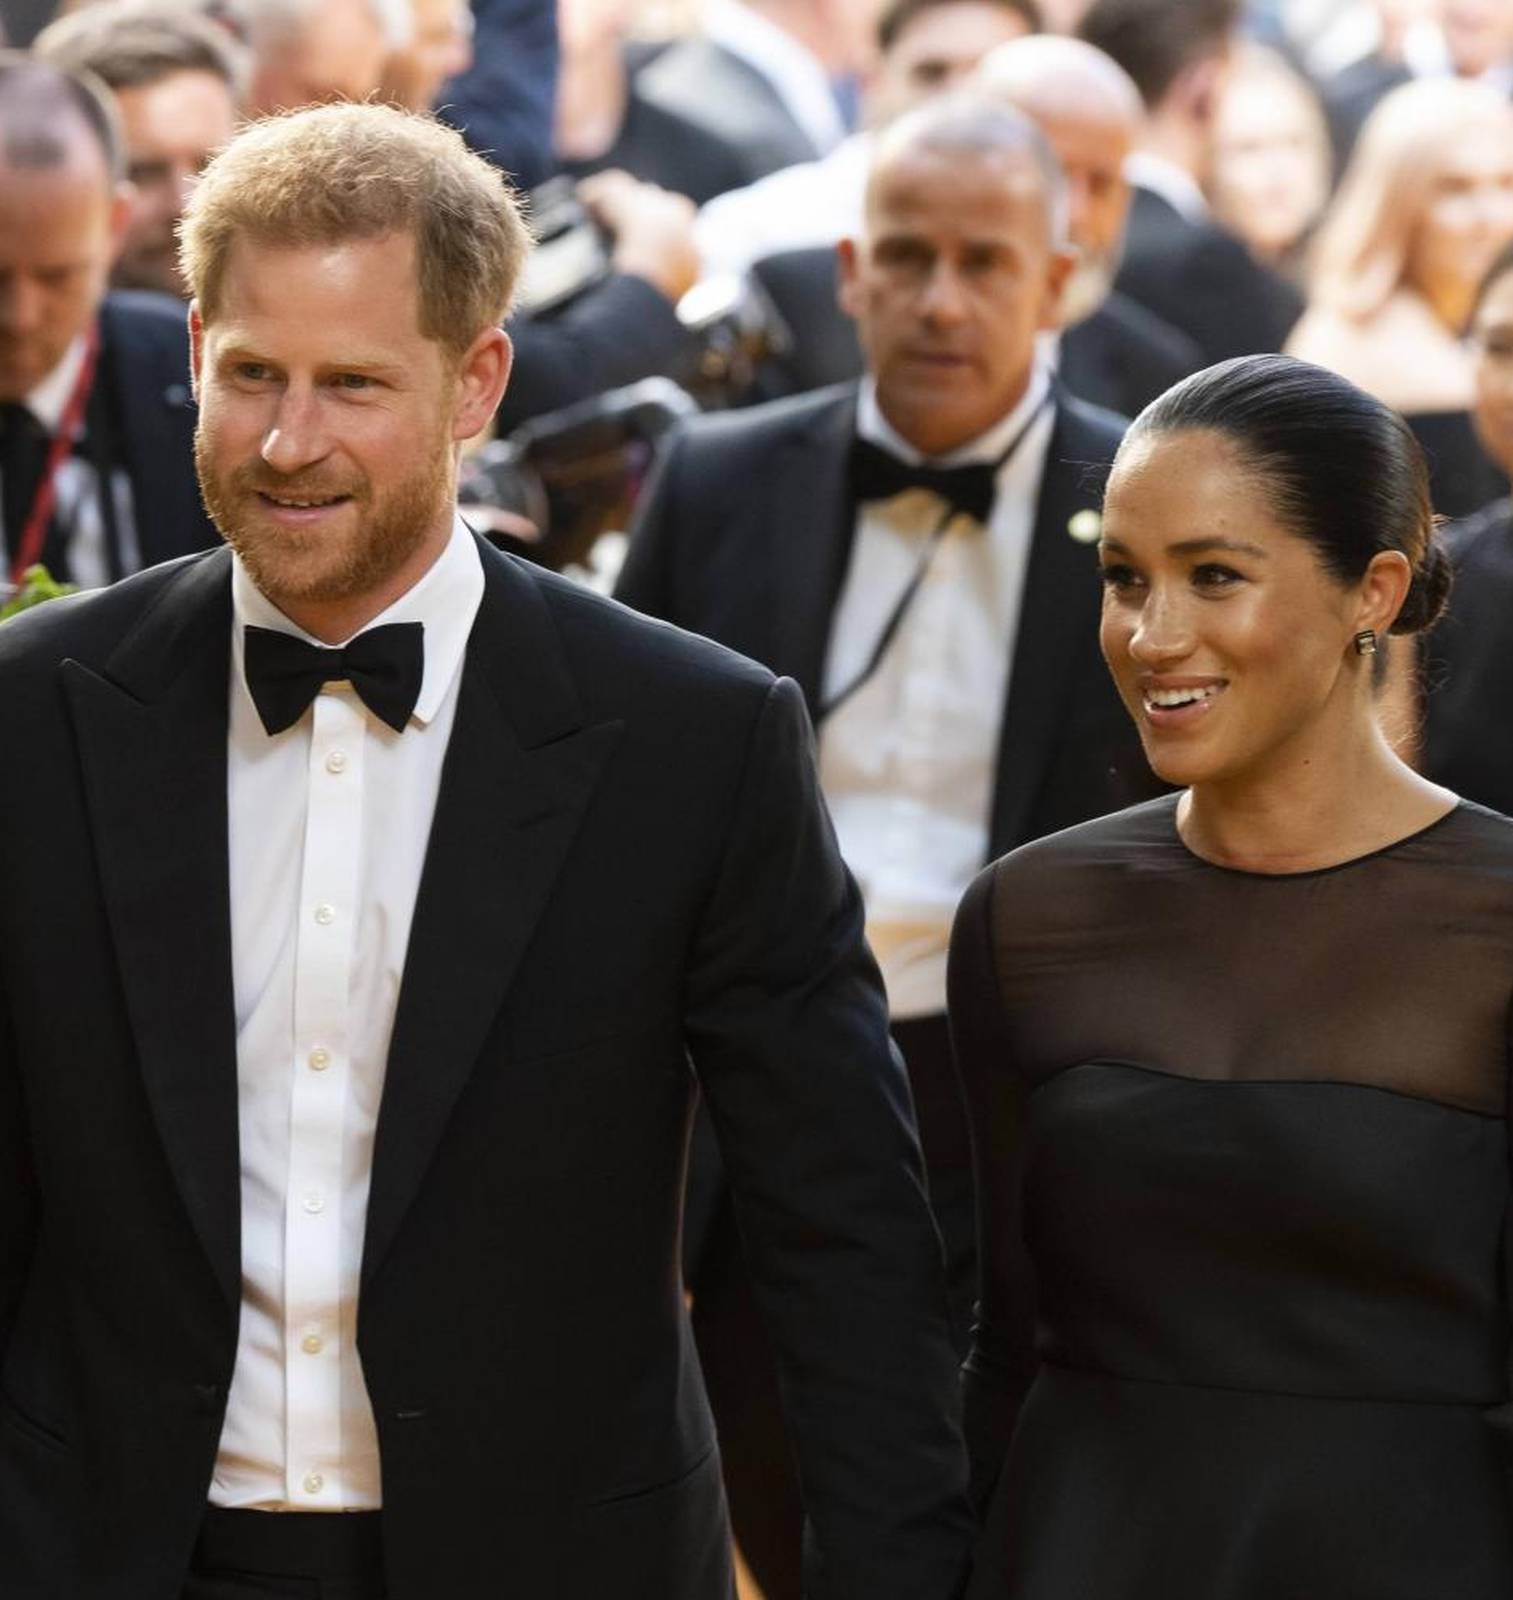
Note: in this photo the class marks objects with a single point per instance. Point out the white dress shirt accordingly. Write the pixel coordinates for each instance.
(793, 70)
(797, 208)
(77, 511)
(908, 763)
(328, 828)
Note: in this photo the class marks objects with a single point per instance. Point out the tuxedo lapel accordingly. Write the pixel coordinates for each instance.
(151, 734)
(1058, 614)
(519, 772)
(807, 529)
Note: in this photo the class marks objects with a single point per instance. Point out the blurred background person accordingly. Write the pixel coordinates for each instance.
(96, 418)
(305, 52)
(439, 47)
(775, 78)
(1178, 261)
(176, 78)
(1109, 350)
(1424, 207)
(502, 103)
(924, 47)
(605, 120)
(1468, 659)
(1270, 174)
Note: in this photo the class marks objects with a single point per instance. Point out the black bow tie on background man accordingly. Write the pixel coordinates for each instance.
(878, 475)
(384, 665)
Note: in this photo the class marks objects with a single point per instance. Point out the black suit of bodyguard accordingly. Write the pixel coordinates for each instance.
(628, 869)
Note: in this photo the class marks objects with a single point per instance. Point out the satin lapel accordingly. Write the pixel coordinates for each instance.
(807, 533)
(519, 773)
(1058, 614)
(151, 733)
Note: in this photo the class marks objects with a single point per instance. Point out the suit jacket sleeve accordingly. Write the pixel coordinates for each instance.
(788, 1030)
(618, 332)
(18, 1198)
(503, 103)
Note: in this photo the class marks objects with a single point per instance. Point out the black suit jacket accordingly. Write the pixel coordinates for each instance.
(712, 87)
(144, 376)
(1468, 665)
(745, 535)
(1119, 358)
(629, 864)
(1200, 278)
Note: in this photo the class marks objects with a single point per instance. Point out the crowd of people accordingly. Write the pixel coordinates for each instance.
(573, 1093)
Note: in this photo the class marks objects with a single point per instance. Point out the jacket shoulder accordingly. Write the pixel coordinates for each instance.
(1086, 431)
(87, 627)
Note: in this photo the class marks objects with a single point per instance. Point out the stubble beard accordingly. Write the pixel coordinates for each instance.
(381, 535)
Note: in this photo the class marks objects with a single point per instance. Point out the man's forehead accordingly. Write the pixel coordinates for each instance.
(909, 182)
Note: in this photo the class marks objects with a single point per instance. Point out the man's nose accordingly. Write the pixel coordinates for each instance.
(296, 437)
(21, 304)
(942, 298)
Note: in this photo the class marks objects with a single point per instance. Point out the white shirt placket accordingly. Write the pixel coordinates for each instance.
(328, 913)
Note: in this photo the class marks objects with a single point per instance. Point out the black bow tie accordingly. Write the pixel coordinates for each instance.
(877, 475)
(384, 665)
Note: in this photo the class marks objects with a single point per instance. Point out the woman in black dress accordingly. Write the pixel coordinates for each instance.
(1237, 1064)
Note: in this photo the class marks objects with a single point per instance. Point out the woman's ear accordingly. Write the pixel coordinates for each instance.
(1383, 589)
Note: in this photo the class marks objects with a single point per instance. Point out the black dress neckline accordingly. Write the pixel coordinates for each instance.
(1315, 872)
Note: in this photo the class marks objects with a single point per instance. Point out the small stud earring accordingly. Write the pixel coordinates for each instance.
(1365, 642)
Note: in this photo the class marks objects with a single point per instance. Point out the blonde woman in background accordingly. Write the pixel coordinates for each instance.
(1423, 208)
(1269, 176)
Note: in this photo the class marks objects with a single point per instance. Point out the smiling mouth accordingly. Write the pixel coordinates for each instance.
(1172, 705)
(301, 502)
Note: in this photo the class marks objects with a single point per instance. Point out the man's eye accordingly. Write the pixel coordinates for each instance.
(354, 381)
(250, 371)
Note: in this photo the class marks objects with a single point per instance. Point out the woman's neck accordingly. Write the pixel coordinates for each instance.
(593, 90)
(1328, 801)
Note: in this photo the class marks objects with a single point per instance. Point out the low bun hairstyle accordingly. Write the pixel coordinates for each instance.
(1344, 470)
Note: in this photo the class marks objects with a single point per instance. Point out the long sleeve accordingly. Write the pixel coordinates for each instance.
(1002, 1362)
(788, 1031)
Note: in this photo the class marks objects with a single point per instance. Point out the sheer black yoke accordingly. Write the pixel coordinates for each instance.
(1243, 1177)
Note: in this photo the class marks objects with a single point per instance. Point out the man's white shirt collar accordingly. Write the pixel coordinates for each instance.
(1179, 189)
(49, 400)
(445, 601)
(873, 426)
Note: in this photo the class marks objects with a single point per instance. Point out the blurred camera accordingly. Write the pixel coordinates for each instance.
(562, 481)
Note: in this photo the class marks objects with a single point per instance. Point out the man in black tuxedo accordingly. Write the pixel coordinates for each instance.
(918, 553)
(1178, 262)
(364, 895)
(1108, 349)
(96, 417)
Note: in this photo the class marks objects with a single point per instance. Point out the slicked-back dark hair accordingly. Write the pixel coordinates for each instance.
(897, 16)
(1342, 470)
(1155, 41)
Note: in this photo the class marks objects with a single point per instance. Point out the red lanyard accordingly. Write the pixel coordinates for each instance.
(28, 548)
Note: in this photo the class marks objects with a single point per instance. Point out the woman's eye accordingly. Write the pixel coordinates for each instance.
(1211, 575)
(1117, 576)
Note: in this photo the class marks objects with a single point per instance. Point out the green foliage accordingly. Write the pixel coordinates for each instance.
(37, 586)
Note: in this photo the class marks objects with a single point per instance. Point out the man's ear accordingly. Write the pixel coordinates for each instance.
(196, 348)
(482, 375)
(1058, 270)
(849, 286)
(123, 198)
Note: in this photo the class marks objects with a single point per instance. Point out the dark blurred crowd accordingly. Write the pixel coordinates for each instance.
(770, 294)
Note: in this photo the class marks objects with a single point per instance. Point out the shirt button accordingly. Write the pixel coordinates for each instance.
(314, 1483)
(319, 1059)
(312, 1344)
(325, 915)
(336, 761)
(314, 1201)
